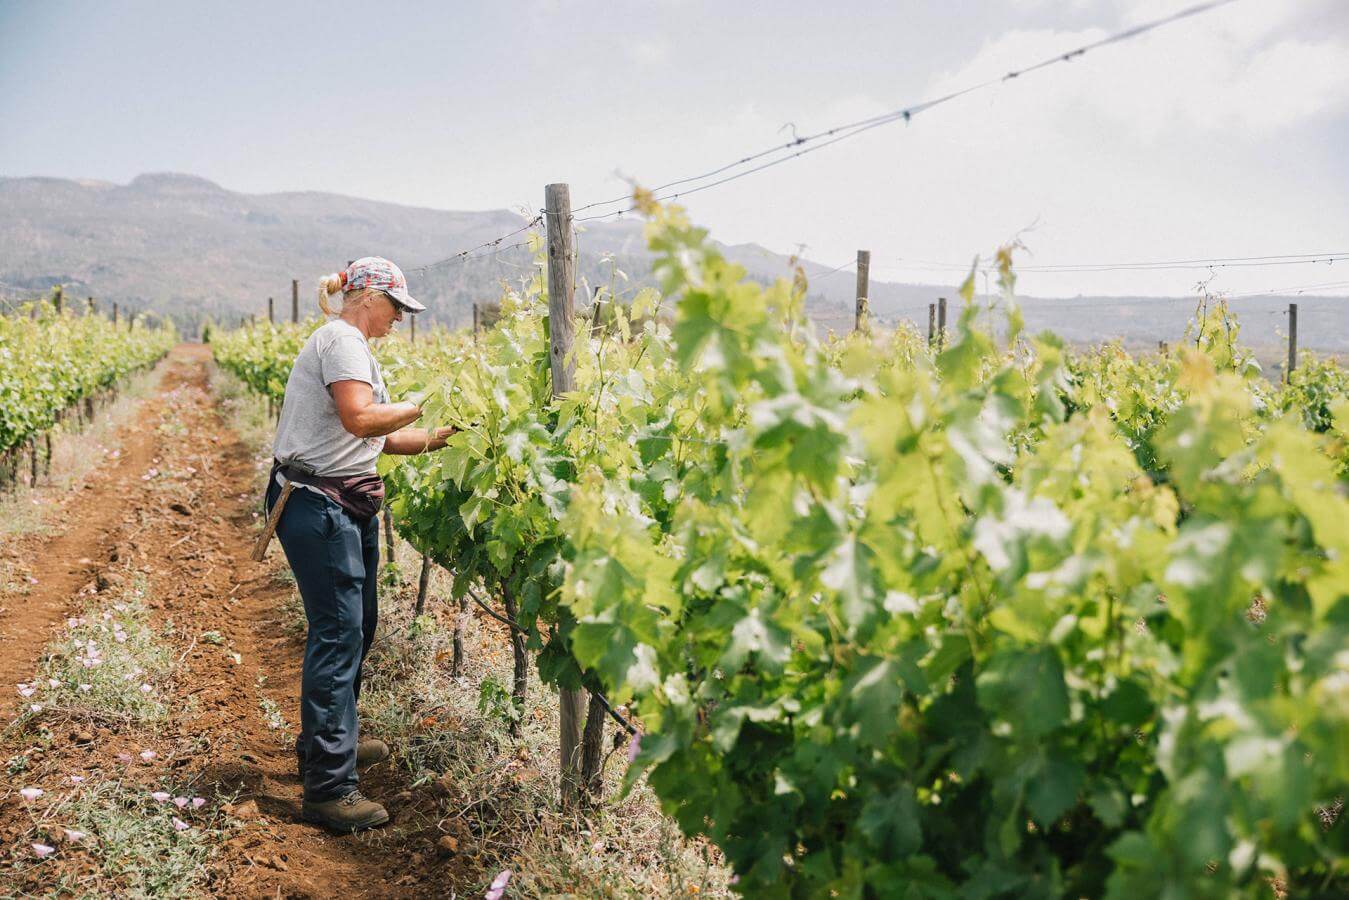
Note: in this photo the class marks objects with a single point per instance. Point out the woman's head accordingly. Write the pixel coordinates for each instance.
(374, 295)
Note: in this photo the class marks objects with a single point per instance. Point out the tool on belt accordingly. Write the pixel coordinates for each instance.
(260, 548)
(359, 495)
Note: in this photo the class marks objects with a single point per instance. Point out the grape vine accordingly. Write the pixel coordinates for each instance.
(994, 620)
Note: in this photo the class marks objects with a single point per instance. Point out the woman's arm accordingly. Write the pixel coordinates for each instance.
(363, 417)
(409, 441)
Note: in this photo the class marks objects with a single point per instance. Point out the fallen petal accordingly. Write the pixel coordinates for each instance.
(148, 755)
(198, 802)
(27, 691)
(124, 757)
(74, 836)
(76, 779)
(181, 802)
(634, 746)
(161, 796)
(498, 888)
(30, 793)
(179, 824)
(43, 850)
(36, 707)
(53, 683)
(86, 688)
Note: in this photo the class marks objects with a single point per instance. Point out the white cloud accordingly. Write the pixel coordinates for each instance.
(1181, 143)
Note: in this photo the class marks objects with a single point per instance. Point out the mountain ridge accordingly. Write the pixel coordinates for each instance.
(186, 247)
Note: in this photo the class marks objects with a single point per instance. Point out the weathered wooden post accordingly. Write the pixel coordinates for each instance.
(388, 539)
(941, 323)
(422, 583)
(412, 324)
(295, 299)
(1292, 343)
(931, 323)
(58, 297)
(561, 296)
(863, 289)
(475, 318)
(271, 310)
(114, 312)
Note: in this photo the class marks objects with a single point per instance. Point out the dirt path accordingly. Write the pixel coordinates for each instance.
(64, 565)
(179, 508)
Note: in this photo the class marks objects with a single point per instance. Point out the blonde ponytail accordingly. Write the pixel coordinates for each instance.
(329, 285)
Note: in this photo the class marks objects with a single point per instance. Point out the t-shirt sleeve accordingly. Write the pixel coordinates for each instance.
(345, 359)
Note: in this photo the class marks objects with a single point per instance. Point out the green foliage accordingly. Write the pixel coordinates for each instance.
(996, 621)
(53, 360)
(261, 355)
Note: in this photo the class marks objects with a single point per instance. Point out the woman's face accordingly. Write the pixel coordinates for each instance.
(383, 314)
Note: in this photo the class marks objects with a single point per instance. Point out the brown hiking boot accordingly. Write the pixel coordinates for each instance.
(368, 752)
(346, 814)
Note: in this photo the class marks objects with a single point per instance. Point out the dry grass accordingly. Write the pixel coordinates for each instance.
(503, 791)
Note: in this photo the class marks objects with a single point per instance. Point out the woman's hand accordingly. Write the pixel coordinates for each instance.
(411, 441)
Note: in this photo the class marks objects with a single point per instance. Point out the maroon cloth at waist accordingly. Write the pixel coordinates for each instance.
(360, 495)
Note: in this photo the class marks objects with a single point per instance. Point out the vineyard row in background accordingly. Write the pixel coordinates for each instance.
(55, 364)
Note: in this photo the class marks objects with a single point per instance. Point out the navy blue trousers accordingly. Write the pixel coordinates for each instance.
(335, 558)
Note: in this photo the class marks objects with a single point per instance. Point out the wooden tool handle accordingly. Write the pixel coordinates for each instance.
(260, 548)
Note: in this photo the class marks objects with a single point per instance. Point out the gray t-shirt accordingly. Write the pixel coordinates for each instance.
(309, 433)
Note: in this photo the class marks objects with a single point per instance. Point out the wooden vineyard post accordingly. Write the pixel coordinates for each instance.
(475, 318)
(388, 539)
(114, 312)
(863, 289)
(931, 323)
(412, 324)
(294, 300)
(1292, 343)
(271, 310)
(58, 298)
(561, 295)
(520, 671)
(422, 583)
(941, 323)
(458, 659)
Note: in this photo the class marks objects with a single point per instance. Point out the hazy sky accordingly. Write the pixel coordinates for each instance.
(1224, 135)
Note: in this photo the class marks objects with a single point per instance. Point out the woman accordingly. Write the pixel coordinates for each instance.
(335, 421)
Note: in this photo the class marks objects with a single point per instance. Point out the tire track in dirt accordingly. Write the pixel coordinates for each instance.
(188, 531)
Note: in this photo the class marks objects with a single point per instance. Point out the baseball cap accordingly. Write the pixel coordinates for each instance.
(379, 273)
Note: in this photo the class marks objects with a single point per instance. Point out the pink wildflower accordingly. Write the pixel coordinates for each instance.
(498, 888)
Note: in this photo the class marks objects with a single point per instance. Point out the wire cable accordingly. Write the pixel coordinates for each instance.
(470, 253)
(830, 136)
(852, 129)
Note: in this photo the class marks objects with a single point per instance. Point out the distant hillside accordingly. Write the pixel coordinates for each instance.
(188, 248)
